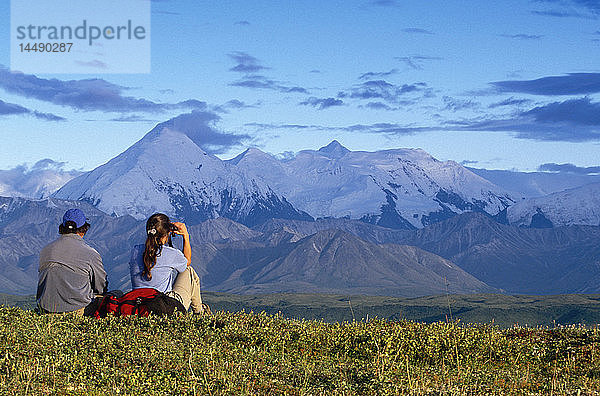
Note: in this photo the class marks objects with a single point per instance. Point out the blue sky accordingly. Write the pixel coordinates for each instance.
(497, 85)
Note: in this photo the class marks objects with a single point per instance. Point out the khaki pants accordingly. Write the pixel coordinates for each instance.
(78, 312)
(187, 288)
(87, 311)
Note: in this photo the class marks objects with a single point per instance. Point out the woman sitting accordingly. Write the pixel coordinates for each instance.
(160, 266)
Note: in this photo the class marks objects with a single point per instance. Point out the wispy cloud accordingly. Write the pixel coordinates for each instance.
(384, 3)
(468, 162)
(416, 61)
(165, 12)
(510, 102)
(322, 103)
(372, 75)
(454, 104)
(593, 6)
(245, 63)
(88, 95)
(249, 65)
(380, 106)
(232, 104)
(414, 30)
(386, 129)
(569, 168)
(200, 127)
(37, 181)
(570, 84)
(262, 82)
(377, 128)
(383, 90)
(560, 14)
(47, 116)
(242, 23)
(267, 126)
(15, 109)
(575, 120)
(237, 104)
(12, 108)
(131, 118)
(523, 36)
(588, 9)
(576, 111)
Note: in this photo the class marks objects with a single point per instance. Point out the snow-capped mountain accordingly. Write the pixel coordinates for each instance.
(402, 188)
(535, 184)
(166, 171)
(579, 206)
(37, 182)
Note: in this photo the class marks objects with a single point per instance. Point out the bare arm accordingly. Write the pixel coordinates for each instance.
(187, 248)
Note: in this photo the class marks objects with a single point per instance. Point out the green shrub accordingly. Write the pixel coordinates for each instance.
(247, 353)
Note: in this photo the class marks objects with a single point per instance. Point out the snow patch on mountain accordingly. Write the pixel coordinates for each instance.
(406, 187)
(38, 181)
(579, 206)
(167, 172)
(535, 184)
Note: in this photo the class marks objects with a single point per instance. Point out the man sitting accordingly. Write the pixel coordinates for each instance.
(71, 273)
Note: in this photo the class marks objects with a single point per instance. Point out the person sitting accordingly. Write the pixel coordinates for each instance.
(71, 272)
(158, 265)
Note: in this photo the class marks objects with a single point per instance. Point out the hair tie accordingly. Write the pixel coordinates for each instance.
(152, 231)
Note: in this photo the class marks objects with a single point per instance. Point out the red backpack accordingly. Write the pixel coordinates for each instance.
(140, 302)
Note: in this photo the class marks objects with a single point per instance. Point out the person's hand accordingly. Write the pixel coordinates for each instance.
(181, 229)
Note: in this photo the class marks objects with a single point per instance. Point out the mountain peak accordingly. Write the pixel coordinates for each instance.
(252, 151)
(334, 150)
(199, 127)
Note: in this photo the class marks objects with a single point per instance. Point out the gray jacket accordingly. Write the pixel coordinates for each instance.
(70, 274)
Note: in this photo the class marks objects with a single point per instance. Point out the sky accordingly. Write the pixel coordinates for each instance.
(496, 85)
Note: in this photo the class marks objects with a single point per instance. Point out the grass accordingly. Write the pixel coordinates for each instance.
(10, 300)
(247, 353)
(501, 310)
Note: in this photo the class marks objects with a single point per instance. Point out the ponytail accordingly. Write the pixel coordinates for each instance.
(157, 227)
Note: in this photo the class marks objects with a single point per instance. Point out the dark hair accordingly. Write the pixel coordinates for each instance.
(157, 227)
(71, 228)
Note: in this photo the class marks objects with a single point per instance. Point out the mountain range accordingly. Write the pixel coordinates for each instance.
(579, 205)
(403, 189)
(167, 171)
(393, 222)
(468, 253)
(509, 258)
(536, 184)
(331, 261)
(41, 180)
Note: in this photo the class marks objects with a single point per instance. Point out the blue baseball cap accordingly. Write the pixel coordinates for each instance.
(76, 216)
